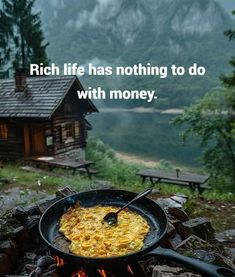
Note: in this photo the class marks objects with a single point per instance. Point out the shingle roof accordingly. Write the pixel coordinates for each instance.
(41, 98)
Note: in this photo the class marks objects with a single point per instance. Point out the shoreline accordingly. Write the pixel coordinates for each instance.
(172, 111)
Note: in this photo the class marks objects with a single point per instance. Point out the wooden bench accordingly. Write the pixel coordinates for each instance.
(91, 171)
(185, 184)
(192, 181)
(53, 162)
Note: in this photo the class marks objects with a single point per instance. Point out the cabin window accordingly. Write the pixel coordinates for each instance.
(49, 140)
(3, 132)
(68, 132)
(59, 134)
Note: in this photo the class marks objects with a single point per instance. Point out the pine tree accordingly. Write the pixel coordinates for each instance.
(21, 36)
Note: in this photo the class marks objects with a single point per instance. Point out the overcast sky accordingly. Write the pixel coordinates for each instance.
(229, 5)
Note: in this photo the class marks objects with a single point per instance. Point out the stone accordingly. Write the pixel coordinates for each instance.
(155, 191)
(31, 210)
(175, 222)
(231, 253)
(165, 203)
(170, 229)
(45, 261)
(167, 271)
(30, 256)
(5, 264)
(17, 233)
(30, 267)
(21, 236)
(213, 257)
(46, 203)
(31, 225)
(174, 241)
(52, 267)
(15, 197)
(65, 192)
(19, 213)
(179, 199)
(9, 248)
(32, 222)
(3, 229)
(178, 214)
(226, 236)
(200, 227)
(204, 255)
(36, 273)
(192, 242)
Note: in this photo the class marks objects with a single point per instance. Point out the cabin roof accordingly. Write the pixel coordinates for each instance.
(41, 98)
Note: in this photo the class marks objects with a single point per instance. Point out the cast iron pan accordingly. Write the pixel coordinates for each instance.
(152, 212)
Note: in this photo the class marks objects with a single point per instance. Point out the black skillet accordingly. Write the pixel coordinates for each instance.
(152, 212)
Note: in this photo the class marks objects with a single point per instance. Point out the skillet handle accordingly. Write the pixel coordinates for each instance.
(208, 270)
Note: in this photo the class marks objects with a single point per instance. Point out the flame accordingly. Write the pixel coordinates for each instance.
(130, 270)
(59, 261)
(80, 273)
(102, 272)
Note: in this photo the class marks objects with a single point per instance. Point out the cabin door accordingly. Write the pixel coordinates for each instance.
(38, 143)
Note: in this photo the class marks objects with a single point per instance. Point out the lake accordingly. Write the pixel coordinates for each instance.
(146, 133)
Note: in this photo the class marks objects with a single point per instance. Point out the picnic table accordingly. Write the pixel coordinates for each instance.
(193, 181)
(53, 162)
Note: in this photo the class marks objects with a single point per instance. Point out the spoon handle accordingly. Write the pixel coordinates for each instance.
(138, 196)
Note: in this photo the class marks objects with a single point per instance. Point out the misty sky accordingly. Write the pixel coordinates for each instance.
(229, 5)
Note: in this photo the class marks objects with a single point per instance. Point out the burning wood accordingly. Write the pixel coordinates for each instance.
(59, 261)
(79, 273)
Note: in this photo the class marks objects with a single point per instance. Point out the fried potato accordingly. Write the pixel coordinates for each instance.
(91, 237)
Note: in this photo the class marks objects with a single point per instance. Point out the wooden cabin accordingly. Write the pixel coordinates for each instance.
(42, 116)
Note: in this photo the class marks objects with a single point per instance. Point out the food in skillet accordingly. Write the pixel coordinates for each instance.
(91, 237)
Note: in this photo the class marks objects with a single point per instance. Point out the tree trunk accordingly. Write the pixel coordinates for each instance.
(22, 46)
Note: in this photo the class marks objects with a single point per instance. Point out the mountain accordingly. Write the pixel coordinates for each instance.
(127, 32)
(229, 5)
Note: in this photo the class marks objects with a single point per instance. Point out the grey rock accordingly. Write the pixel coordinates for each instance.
(226, 236)
(167, 202)
(45, 261)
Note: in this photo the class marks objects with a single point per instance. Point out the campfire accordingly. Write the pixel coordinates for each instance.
(23, 253)
(64, 269)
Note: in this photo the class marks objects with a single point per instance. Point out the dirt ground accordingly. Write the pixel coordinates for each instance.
(136, 160)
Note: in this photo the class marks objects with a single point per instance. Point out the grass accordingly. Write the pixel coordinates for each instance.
(40, 181)
(121, 174)
(214, 204)
(26, 179)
